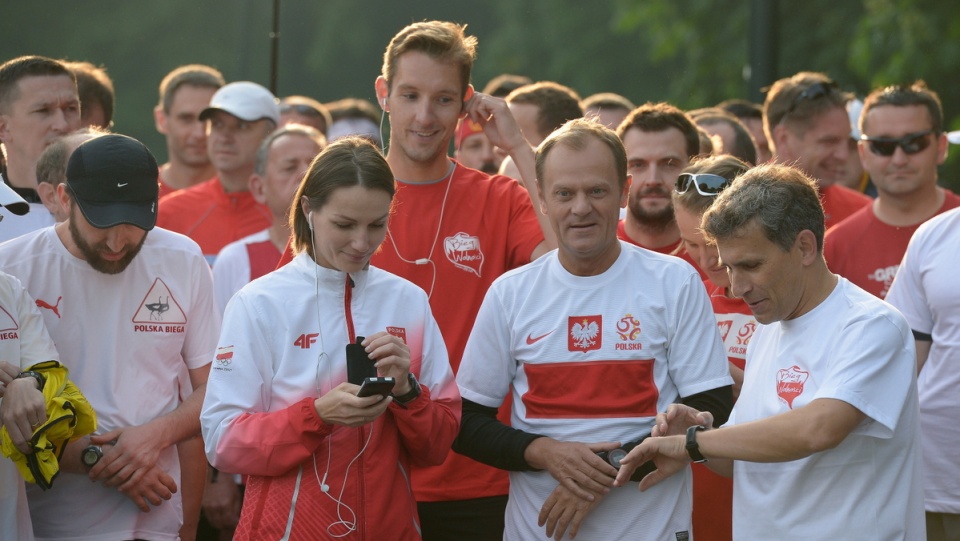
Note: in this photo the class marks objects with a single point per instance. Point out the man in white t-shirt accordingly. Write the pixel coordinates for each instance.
(632, 332)
(925, 291)
(129, 305)
(823, 440)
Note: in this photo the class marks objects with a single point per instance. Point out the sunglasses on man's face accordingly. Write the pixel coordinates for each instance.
(911, 143)
(705, 183)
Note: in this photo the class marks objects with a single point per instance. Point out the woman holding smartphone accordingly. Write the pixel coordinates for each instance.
(321, 461)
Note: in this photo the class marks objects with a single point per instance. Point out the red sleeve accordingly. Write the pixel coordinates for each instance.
(523, 233)
(270, 444)
(427, 427)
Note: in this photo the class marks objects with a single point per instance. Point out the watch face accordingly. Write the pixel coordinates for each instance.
(615, 456)
(91, 455)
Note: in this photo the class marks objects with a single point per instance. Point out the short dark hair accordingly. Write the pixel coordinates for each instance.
(781, 199)
(743, 145)
(607, 100)
(902, 96)
(505, 83)
(742, 109)
(192, 75)
(348, 161)
(785, 103)
(12, 71)
(575, 134)
(307, 106)
(94, 85)
(557, 104)
(352, 108)
(658, 117)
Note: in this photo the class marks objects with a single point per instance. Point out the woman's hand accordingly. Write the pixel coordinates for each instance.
(392, 358)
(342, 406)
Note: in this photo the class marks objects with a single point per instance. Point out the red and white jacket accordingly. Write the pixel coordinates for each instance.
(283, 345)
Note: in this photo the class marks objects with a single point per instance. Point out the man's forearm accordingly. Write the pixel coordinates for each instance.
(818, 426)
(183, 422)
(485, 439)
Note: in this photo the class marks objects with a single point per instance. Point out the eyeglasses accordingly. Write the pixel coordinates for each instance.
(299, 108)
(705, 183)
(812, 92)
(911, 143)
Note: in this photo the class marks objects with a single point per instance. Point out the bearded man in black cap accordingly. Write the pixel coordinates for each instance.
(130, 307)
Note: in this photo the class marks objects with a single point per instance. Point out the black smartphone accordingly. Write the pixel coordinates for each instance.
(380, 386)
(359, 365)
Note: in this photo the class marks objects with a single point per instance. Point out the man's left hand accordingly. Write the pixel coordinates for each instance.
(137, 449)
(564, 509)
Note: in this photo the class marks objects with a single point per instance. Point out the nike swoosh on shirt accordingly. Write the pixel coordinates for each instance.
(119, 185)
(531, 340)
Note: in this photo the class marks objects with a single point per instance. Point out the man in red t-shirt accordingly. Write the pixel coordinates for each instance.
(184, 93)
(807, 126)
(660, 141)
(453, 231)
(221, 210)
(903, 143)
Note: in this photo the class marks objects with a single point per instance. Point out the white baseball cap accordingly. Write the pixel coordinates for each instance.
(12, 200)
(245, 100)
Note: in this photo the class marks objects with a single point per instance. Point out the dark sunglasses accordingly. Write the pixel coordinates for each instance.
(304, 110)
(705, 183)
(813, 92)
(910, 143)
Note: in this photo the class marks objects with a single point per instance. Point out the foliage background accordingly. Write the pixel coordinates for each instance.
(692, 53)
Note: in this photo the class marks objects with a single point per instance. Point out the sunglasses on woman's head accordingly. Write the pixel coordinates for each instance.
(705, 183)
(911, 143)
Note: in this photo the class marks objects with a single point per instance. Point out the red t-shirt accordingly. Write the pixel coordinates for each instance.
(212, 217)
(674, 249)
(840, 202)
(867, 251)
(488, 227)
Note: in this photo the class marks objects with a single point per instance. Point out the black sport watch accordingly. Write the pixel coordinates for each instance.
(41, 380)
(693, 449)
(90, 455)
(410, 395)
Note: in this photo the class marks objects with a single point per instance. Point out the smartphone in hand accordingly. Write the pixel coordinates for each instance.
(380, 386)
(359, 365)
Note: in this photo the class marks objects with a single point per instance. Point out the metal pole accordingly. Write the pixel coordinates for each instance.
(275, 47)
(764, 33)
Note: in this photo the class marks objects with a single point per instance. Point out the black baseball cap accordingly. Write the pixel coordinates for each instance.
(114, 181)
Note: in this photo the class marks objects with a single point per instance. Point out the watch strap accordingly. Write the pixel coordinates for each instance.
(41, 380)
(693, 448)
(410, 395)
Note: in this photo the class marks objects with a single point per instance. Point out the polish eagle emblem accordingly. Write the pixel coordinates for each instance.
(585, 333)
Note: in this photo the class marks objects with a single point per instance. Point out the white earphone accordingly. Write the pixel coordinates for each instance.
(310, 220)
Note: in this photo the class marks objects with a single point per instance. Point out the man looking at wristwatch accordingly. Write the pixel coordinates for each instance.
(824, 436)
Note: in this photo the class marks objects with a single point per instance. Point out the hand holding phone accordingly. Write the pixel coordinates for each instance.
(359, 365)
(373, 386)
